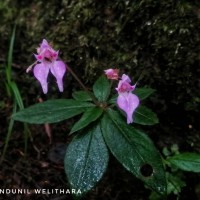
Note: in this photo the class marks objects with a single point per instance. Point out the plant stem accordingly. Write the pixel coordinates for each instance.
(82, 85)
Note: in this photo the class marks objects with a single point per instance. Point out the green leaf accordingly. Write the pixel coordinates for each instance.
(90, 115)
(174, 184)
(101, 89)
(81, 96)
(113, 99)
(10, 57)
(86, 159)
(145, 116)
(17, 94)
(51, 111)
(143, 93)
(186, 161)
(134, 150)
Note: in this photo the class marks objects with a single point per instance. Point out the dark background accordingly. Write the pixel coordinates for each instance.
(157, 42)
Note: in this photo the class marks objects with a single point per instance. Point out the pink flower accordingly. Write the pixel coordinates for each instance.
(127, 101)
(112, 73)
(124, 84)
(47, 59)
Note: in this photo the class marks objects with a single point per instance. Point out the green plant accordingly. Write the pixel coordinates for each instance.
(14, 94)
(102, 129)
(176, 163)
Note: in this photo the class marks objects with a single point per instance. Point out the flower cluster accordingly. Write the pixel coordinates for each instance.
(47, 60)
(126, 100)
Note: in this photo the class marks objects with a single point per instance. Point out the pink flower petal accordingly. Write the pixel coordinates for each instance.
(128, 102)
(44, 44)
(124, 86)
(39, 57)
(112, 73)
(58, 69)
(41, 72)
(126, 78)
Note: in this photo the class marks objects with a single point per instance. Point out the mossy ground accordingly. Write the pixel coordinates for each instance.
(157, 41)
